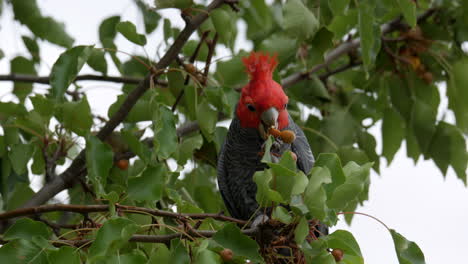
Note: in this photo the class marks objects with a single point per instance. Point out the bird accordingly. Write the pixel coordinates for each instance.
(262, 106)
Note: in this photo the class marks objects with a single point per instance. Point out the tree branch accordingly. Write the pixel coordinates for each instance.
(104, 208)
(15, 77)
(147, 238)
(345, 48)
(66, 179)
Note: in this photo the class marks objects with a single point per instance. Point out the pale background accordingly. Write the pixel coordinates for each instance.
(416, 200)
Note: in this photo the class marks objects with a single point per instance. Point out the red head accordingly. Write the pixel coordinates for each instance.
(262, 101)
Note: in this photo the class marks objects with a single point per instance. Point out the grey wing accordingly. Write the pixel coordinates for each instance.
(222, 181)
(236, 185)
(300, 146)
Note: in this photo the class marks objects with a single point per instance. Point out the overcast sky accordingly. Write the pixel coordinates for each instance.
(415, 200)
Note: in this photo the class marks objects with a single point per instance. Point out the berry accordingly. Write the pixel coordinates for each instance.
(288, 136)
(226, 254)
(122, 164)
(274, 132)
(337, 254)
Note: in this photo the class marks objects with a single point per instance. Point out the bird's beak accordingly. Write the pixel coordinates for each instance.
(269, 118)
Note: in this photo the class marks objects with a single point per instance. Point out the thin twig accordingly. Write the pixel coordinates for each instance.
(16, 77)
(144, 238)
(84, 209)
(66, 179)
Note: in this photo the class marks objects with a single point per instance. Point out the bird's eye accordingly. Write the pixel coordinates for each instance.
(285, 106)
(251, 107)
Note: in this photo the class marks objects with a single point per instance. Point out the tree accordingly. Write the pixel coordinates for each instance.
(358, 62)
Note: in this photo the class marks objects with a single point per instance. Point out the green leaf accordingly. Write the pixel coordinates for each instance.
(107, 31)
(129, 31)
(408, 8)
(341, 25)
(457, 91)
(20, 194)
(191, 101)
(64, 254)
(179, 253)
(181, 4)
(20, 251)
(370, 34)
(222, 21)
(149, 186)
(207, 118)
(284, 180)
(165, 136)
(230, 236)
(321, 42)
(161, 255)
(187, 147)
(393, 133)
(33, 48)
(140, 148)
(407, 251)
(27, 12)
(150, 17)
(26, 228)
(24, 66)
(231, 72)
(423, 118)
(138, 113)
(112, 236)
(99, 160)
(282, 214)
(333, 163)
(265, 194)
(301, 231)
(368, 144)
(206, 256)
(66, 68)
(345, 241)
(97, 61)
(315, 196)
(299, 21)
(340, 126)
(44, 106)
(280, 44)
(338, 7)
(448, 147)
(19, 156)
(76, 116)
(130, 258)
(357, 181)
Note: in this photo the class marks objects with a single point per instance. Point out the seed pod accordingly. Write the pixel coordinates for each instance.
(337, 254)
(288, 136)
(122, 164)
(226, 254)
(274, 132)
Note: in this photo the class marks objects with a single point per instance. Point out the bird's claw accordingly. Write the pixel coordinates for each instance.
(259, 220)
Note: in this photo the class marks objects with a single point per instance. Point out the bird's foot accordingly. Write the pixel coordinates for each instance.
(259, 220)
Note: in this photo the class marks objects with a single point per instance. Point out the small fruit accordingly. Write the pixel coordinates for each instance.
(288, 136)
(337, 254)
(427, 77)
(274, 132)
(122, 164)
(294, 156)
(226, 254)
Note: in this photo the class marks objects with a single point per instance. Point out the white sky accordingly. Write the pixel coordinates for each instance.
(415, 200)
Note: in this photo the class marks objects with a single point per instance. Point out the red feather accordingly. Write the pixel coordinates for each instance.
(259, 65)
(262, 91)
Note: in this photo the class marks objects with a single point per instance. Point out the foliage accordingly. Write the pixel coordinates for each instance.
(361, 64)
